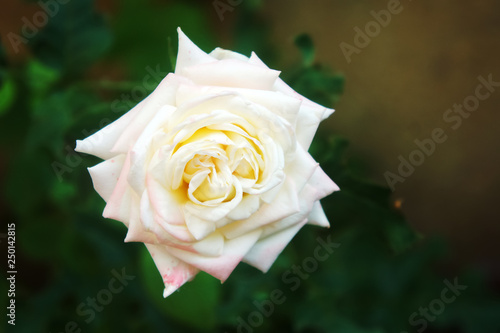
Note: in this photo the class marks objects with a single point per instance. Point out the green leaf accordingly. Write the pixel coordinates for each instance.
(316, 82)
(73, 39)
(305, 44)
(7, 94)
(40, 79)
(194, 304)
(149, 45)
(52, 116)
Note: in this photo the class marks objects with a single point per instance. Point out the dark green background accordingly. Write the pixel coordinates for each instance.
(64, 87)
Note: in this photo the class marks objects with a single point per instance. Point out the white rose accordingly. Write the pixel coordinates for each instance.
(212, 168)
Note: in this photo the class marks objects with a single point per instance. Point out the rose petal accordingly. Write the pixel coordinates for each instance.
(105, 175)
(316, 108)
(285, 88)
(198, 227)
(249, 204)
(317, 216)
(228, 107)
(101, 142)
(179, 232)
(301, 168)
(221, 54)
(307, 125)
(264, 253)
(232, 73)
(173, 271)
(212, 213)
(189, 54)
(121, 201)
(142, 151)
(211, 246)
(322, 183)
(164, 202)
(137, 232)
(310, 114)
(163, 95)
(277, 102)
(222, 266)
(149, 224)
(285, 204)
(308, 196)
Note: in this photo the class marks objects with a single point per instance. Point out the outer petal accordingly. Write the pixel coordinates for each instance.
(105, 175)
(288, 208)
(319, 110)
(317, 216)
(232, 73)
(212, 245)
(322, 183)
(264, 253)
(137, 232)
(163, 95)
(123, 199)
(284, 205)
(307, 197)
(307, 124)
(140, 231)
(101, 142)
(189, 54)
(222, 266)
(221, 54)
(123, 203)
(285, 88)
(276, 236)
(301, 168)
(310, 114)
(280, 104)
(173, 271)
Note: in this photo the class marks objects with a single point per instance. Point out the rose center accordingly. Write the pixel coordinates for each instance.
(216, 164)
(209, 179)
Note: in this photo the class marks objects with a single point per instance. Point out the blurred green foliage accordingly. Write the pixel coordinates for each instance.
(67, 254)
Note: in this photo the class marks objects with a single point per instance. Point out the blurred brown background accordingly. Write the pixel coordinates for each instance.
(397, 89)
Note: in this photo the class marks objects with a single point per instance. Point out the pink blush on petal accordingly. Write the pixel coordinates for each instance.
(177, 277)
